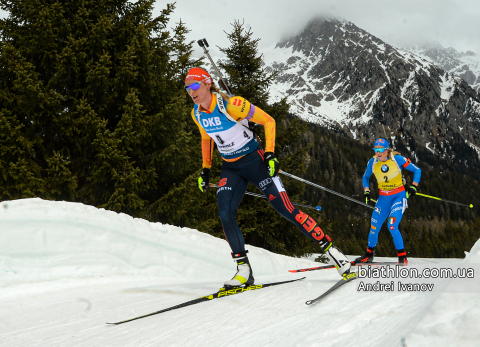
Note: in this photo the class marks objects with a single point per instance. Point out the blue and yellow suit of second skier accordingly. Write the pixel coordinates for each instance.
(392, 200)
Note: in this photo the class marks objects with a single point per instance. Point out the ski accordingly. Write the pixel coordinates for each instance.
(324, 267)
(346, 278)
(220, 294)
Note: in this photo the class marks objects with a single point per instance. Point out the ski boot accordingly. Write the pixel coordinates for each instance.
(244, 275)
(342, 264)
(367, 257)
(402, 257)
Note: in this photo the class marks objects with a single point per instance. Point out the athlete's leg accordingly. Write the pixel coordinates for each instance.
(399, 204)
(376, 222)
(231, 188)
(273, 190)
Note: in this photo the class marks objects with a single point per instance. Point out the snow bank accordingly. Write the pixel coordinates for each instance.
(47, 240)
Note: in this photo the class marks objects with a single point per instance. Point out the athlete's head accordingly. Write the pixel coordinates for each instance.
(197, 84)
(198, 79)
(381, 142)
(381, 148)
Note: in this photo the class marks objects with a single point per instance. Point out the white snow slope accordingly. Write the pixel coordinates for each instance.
(66, 269)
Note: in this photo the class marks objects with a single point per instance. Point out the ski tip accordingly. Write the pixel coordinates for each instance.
(118, 323)
(293, 271)
(309, 302)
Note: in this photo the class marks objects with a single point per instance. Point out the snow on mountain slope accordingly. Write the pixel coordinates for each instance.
(465, 65)
(67, 268)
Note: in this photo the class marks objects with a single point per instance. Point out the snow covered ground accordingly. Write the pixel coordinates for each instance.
(66, 269)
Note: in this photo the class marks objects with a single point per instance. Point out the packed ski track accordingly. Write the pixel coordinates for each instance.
(66, 269)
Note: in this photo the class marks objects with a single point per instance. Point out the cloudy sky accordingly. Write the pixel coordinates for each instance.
(452, 23)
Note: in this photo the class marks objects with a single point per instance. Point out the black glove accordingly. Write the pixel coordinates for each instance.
(412, 190)
(366, 194)
(204, 180)
(272, 164)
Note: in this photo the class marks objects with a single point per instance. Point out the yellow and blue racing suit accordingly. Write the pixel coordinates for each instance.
(392, 200)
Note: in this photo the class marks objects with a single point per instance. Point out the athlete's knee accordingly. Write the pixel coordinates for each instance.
(226, 214)
(392, 224)
(394, 230)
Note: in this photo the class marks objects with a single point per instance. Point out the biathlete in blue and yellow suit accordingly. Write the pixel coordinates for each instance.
(223, 120)
(392, 201)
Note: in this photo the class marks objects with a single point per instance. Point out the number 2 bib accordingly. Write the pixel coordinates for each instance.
(388, 174)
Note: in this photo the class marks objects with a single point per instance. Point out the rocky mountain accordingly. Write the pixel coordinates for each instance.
(336, 74)
(465, 65)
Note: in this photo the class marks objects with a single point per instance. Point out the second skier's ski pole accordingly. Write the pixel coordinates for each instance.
(439, 199)
(452, 202)
(329, 190)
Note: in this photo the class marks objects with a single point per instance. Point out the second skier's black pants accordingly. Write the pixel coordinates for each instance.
(234, 180)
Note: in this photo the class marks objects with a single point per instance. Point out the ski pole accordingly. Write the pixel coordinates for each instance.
(433, 197)
(318, 208)
(329, 190)
(452, 202)
(223, 82)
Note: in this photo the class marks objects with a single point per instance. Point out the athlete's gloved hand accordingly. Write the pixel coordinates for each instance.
(412, 190)
(273, 166)
(204, 179)
(366, 194)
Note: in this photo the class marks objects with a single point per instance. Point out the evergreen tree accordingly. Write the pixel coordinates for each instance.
(114, 169)
(92, 102)
(244, 66)
(20, 175)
